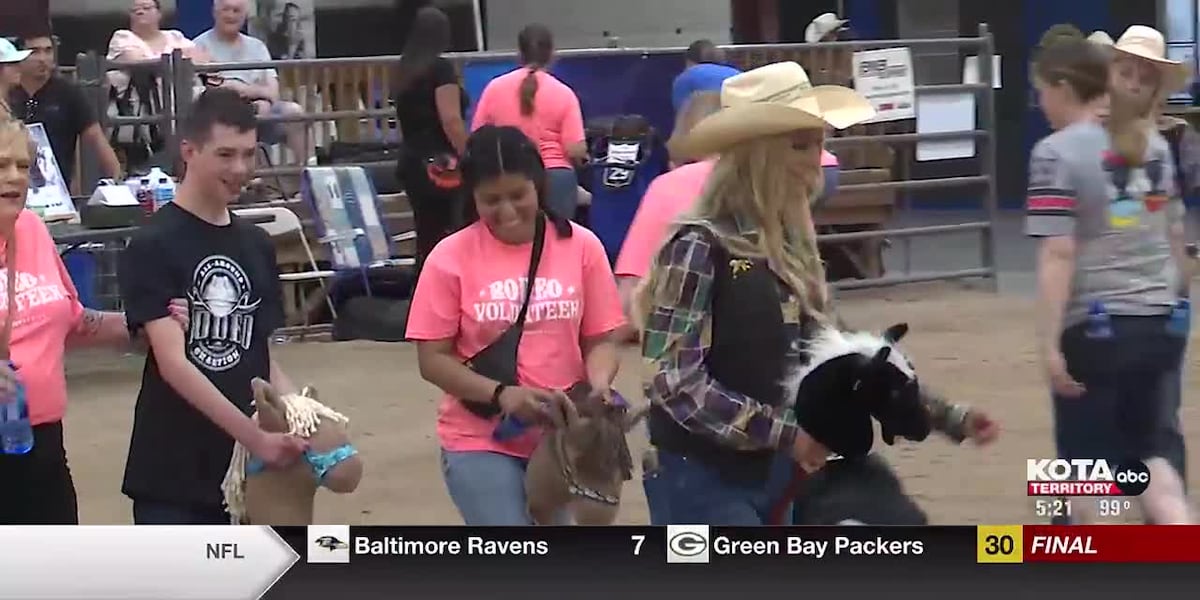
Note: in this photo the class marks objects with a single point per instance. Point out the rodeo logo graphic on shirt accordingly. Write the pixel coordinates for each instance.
(222, 315)
(32, 291)
(500, 301)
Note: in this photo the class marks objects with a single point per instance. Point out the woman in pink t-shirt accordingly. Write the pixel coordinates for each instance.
(145, 40)
(48, 319)
(469, 293)
(546, 110)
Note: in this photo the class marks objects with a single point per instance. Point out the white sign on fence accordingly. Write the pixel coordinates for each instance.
(885, 78)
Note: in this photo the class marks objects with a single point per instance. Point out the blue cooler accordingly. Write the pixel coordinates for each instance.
(81, 266)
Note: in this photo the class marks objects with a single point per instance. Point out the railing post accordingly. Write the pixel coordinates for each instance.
(987, 112)
(184, 76)
(90, 78)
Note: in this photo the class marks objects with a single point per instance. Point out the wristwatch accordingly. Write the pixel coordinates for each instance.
(496, 393)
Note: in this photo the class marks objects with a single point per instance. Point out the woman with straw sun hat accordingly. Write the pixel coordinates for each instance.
(719, 417)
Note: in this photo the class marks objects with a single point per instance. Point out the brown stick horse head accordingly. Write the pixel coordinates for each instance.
(583, 462)
(262, 496)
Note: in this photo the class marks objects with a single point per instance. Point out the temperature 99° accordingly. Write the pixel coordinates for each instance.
(1112, 507)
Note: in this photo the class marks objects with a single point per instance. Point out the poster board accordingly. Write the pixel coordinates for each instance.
(48, 195)
(287, 27)
(885, 78)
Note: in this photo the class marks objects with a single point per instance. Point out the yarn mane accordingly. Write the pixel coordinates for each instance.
(303, 415)
(829, 343)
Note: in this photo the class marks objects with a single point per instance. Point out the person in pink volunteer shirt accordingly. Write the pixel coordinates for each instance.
(469, 294)
(546, 110)
(48, 320)
(671, 194)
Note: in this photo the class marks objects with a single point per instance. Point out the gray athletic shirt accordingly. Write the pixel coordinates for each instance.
(1118, 215)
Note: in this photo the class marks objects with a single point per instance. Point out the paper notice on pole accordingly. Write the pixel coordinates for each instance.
(885, 78)
(945, 112)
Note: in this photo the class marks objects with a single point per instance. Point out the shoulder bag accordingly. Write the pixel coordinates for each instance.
(498, 360)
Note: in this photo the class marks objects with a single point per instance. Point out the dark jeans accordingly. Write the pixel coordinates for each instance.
(36, 488)
(149, 512)
(1130, 410)
(684, 490)
(437, 212)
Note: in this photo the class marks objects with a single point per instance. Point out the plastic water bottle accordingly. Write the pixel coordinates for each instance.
(145, 196)
(164, 192)
(508, 428)
(1180, 323)
(1099, 324)
(16, 431)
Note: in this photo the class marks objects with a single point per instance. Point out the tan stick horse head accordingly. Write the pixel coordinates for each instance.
(582, 463)
(263, 496)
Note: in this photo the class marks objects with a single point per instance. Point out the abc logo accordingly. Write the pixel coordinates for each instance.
(1132, 477)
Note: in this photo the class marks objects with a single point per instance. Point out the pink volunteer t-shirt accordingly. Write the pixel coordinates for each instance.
(48, 310)
(668, 196)
(471, 289)
(556, 122)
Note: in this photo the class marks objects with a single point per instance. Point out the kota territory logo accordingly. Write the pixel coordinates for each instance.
(1085, 477)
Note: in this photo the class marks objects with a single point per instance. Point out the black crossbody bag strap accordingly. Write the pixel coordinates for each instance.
(535, 259)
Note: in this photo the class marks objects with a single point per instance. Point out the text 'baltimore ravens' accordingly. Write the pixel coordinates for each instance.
(475, 545)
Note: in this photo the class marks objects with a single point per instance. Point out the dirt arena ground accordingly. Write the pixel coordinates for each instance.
(973, 346)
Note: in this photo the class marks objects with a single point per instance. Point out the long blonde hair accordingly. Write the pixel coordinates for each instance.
(750, 184)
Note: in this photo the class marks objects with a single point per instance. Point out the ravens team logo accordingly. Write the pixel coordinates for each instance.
(330, 543)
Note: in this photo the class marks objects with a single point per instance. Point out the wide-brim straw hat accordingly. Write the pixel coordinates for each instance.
(1100, 37)
(771, 100)
(1147, 43)
(822, 26)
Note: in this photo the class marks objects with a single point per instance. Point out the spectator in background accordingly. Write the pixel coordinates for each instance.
(286, 39)
(431, 107)
(145, 40)
(10, 73)
(825, 28)
(61, 107)
(225, 43)
(546, 110)
(702, 72)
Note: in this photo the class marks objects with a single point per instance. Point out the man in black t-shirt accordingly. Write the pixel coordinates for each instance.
(62, 109)
(196, 397)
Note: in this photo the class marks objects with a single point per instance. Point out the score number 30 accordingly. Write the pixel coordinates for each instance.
(1002, 545)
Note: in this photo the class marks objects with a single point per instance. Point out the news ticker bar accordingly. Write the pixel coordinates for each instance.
(236, 563)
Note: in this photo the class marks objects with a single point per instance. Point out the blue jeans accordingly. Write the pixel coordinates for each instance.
(683, 490)
(486, 487)
(148, 512)
(562, 191)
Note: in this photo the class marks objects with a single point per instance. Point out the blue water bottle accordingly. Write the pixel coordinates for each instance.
(1099, 325)
(16, 431)
(1180, 323)
(508, 428)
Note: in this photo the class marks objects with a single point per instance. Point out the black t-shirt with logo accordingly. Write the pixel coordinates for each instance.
(63, 110)
(229, 276)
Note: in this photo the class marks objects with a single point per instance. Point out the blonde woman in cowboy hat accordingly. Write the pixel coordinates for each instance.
(1103, 205)
(1141, 70)
(719, 418)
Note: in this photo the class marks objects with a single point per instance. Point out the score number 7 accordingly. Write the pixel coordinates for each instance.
(638, 539)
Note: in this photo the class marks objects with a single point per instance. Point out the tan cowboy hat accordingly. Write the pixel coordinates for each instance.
(1147, 43)
(771, 100)
(1100, 37)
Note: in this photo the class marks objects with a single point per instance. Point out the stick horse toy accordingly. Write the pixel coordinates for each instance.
(255, 495)
(848, 380)
(582, 463)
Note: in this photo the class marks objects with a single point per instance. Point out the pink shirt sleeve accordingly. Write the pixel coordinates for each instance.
(601, 303)
(646, 233)
(125, 45)
(828, 159)
(435, 310)
(69, 286)
(31, 226)
(572, 124)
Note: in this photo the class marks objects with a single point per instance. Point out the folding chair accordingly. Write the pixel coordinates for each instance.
(279, 221)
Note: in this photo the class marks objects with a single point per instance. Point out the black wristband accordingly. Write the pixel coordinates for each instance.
(496, 393)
